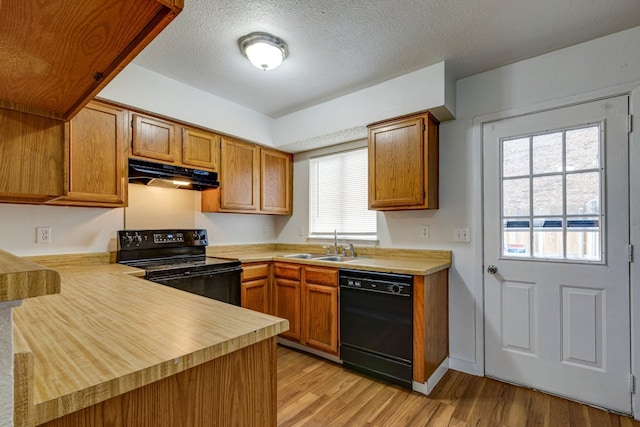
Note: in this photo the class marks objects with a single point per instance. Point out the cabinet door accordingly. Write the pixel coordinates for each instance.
(31, 157)
(97, 157)
(256, 288)
(153, 138)
(254, 295)
(287, 305)
(239, 176)
(200, 149)
(276, 182)
(320, 324)
(403, 164)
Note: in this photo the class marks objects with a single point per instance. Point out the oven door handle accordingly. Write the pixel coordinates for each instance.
(187, 274)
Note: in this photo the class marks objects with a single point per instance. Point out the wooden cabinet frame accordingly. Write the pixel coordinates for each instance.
(84, 49)
(253, 179)
(96, 157)
(403, 163)
(312, 308)
(153, 138)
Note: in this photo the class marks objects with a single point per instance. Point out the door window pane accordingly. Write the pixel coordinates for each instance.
(583, 193)
(547, 195)
(516, 237)
(548, 238)
(515, 193)
(547, 153)
(583, 239)
(583, 148)
(515, 157)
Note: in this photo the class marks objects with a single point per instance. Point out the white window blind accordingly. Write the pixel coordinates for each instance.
(339, 195)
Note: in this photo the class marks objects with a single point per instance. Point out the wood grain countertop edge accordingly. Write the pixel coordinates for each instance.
(21, 278)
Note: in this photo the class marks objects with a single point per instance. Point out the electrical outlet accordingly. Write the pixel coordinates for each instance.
(424, 231)
(43, 234)
(462, 235)
(300, 232)
(265, 230)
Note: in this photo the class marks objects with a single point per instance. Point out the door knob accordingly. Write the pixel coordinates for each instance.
(492, 269)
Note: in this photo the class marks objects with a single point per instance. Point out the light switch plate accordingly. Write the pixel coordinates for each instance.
(462, 235)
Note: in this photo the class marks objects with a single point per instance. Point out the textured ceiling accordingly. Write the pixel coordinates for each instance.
(340, 46)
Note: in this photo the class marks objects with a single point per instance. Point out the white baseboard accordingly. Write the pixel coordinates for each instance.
(285, 342)
(465, 366)
(433, 380)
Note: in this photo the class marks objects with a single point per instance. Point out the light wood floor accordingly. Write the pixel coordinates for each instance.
(315, 392)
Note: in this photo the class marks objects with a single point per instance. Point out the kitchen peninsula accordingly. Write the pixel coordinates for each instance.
(112, 349)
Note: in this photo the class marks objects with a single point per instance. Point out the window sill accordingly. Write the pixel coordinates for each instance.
(356, 240)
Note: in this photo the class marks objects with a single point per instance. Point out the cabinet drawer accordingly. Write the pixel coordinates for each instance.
(287, 271)
(321, 276)
(254, 271)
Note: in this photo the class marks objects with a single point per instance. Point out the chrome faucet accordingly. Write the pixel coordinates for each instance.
(336, 250)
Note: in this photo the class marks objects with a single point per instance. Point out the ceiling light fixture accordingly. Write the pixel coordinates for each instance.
(264, 50)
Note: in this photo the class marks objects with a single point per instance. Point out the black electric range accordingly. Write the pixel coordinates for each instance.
(177, 258)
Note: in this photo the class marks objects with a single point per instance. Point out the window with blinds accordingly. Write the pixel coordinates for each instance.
(338, 191)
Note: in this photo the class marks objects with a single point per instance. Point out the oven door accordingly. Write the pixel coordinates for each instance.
(222, 284)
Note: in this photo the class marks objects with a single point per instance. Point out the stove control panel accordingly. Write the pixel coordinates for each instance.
(168, 238)
(151, 239)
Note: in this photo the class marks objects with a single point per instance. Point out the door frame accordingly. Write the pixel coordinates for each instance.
(477, 221)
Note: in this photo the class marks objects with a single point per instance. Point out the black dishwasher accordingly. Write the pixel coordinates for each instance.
(376, 324)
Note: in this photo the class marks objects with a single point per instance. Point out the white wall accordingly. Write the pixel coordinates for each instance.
(582, 71)
(344, 119)
(147, 90)
(73, 229)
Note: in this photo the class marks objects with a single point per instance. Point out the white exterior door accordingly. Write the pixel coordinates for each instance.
(556, 234)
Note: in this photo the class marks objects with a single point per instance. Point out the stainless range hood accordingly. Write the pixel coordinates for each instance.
(171, 176)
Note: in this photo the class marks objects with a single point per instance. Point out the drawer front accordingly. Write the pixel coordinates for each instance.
(288, 271)
(254, 271)
(321, 276)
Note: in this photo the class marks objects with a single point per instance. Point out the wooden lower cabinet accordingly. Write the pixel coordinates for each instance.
(255, 287)
(236, 389)
(321, 317)
(308, 297)
(287, 288)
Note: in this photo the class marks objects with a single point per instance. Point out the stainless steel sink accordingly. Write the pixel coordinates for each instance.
(337, 258)
(321, 257)
(299, 256)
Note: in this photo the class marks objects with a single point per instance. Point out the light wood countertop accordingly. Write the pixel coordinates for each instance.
(109, 332)
(401, 261)
(20, 278)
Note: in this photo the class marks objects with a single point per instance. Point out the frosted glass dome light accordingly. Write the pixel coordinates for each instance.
(263, 50)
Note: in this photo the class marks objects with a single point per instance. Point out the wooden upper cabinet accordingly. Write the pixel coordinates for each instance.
(32, 150)
(253, 179)
(97, 157)
(200, 149)
(276, 170)
(153, 138)
(56, 56)
(239, 176)
(403, 163)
